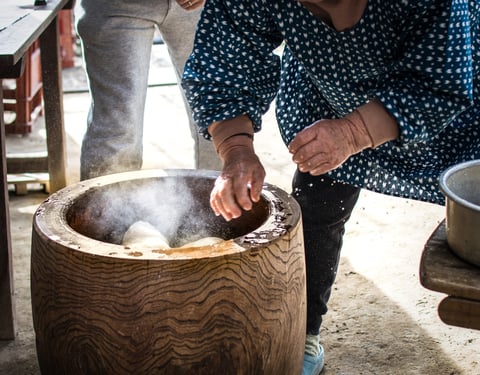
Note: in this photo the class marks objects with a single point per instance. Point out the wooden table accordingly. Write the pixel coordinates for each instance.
(21, 24)
(442, 271)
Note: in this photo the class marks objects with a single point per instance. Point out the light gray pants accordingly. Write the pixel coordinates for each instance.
(117, 38)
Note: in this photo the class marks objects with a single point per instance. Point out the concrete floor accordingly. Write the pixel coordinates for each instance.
(380, 260)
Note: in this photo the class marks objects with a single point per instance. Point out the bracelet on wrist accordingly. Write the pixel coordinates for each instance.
(249, 135)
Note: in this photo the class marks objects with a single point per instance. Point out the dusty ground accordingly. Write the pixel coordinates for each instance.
(381, 320)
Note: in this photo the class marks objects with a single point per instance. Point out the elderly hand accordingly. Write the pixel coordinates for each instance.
(326, 144)
(190, 4)
(241, 181)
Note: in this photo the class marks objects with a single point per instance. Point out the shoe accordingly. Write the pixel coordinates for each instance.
(313, 365)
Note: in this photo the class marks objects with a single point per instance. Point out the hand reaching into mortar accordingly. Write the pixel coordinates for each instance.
(241, 181)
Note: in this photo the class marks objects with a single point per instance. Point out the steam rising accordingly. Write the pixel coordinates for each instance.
(168, 205)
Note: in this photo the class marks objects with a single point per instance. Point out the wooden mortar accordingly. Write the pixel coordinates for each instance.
(100, 308)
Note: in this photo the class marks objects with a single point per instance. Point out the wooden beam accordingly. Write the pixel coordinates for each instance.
(27, 163)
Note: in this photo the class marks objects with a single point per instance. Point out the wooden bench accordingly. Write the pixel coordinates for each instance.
(442, 271)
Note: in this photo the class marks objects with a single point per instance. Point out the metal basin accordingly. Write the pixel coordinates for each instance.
(461, 186)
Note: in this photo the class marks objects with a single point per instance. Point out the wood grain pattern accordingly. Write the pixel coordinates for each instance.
(242, 313)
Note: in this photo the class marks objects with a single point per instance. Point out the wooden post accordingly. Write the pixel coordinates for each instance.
(53, 96)
(7, 302)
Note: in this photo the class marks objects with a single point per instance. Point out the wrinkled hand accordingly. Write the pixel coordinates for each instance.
(241, 181)
(190, 4)
(326, 144)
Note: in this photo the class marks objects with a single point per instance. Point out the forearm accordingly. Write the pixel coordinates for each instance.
(225, 131)
(379, 123)
(241, 181)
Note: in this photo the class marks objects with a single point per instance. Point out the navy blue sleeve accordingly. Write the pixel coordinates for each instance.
(233, 69)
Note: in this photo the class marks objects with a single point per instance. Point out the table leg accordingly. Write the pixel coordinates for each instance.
(53, 97)
(7, 301)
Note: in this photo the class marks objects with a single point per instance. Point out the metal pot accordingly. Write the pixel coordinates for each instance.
(461, 186)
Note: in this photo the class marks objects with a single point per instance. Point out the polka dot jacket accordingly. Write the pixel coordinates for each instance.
(419, 58)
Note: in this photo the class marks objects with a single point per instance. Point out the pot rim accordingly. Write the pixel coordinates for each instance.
(449, 193)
